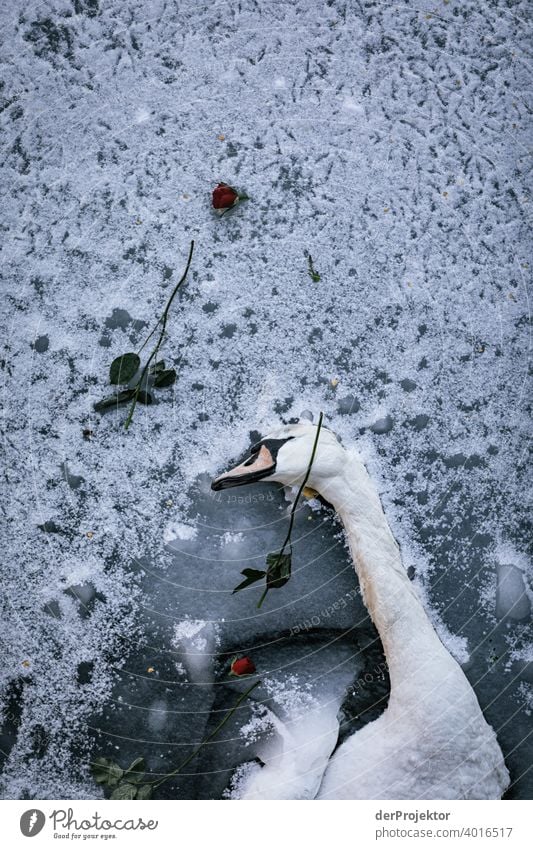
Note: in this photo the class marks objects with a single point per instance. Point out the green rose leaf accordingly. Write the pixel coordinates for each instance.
(144, 791)
(157, 367)
(279, 569)
(114, 400)
(107, 772)
(250, 577)
(135, 771)
(123, 368)
(144, 397)
(124, 791)
(165, 378)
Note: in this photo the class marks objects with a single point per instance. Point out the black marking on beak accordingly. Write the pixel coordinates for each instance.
(260, 464)
(273, 446)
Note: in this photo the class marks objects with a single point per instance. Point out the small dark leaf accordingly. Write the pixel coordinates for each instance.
(113, 400)
(144, 792)
(313, 273)
(165, 378)
(144, 397)
(124, 791)
(123, 368)
(252, 573)
(50, 527)
(107, 772)
(157, 368)
(250, 577)
(279, 569)
(135, 772)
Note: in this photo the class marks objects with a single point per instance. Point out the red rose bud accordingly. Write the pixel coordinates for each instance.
(224, 196)
(242, 666)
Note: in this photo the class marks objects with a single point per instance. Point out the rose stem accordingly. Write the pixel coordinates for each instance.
(163, 321)
(206, 739)
(295, 504)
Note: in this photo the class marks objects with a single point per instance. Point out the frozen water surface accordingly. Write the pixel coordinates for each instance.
(390, 143)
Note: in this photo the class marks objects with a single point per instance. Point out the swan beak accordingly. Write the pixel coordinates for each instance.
(259, 465)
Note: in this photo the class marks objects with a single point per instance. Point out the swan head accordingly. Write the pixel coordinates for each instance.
(284, 454)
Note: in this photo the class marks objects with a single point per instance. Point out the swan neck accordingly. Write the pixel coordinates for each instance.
(387, 592)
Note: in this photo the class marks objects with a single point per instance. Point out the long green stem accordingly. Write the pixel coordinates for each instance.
(304, 482)
(163, 322)
(295, 505)
(207, 739)
(263, 596)
(145, 343)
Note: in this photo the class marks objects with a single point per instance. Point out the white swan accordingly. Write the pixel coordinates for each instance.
(432, 741)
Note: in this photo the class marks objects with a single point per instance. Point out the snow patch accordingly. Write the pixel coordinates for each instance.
(142, 116)
(352, 105)
(179, 530)
(229, 538)
(196, 641)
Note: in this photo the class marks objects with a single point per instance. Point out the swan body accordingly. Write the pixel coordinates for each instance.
(295, 756)
(432, 741)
